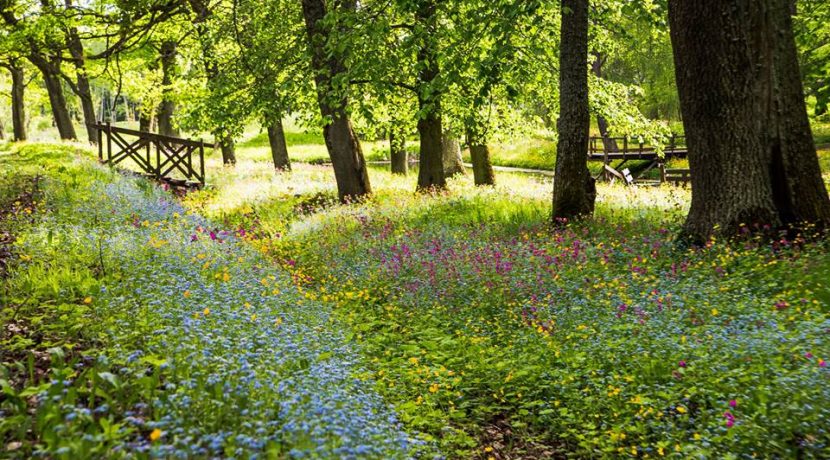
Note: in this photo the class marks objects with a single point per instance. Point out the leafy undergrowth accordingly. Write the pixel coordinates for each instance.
(503, 338)
(139, 330)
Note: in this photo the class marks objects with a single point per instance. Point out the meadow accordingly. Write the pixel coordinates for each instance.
(259, 317)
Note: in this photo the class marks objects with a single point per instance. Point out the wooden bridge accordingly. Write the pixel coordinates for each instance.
(608, 150)
(178, 162)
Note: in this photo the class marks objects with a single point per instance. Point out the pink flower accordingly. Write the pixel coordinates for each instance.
(682, 363)
(730, 419)
(808, 355)
(781, 305)
(733, 403)
(213, 235)
(193, 237)
(822, 363)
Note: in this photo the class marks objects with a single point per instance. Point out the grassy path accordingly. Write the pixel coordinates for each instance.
(190, 344)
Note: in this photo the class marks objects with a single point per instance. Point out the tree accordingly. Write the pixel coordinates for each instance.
(431, 168)
(574, 190)
(167, 107)
(15, 67)
(751, 151)
(329, 70)
(81, 86)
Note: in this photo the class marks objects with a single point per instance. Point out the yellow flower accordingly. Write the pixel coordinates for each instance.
(253, 317)
(433, 388)
(278, 321)
(660, 451)
(206, 311)
(681, 409)
(697, 436)
(488, 449)
(155, 435)
(413, 360)
(714, 312)
(226, 276)
(186, 294)
(88, 300)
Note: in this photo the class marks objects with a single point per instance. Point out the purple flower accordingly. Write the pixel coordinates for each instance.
(733, 403)
(682, 363)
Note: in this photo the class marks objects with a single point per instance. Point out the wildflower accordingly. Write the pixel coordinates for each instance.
(730, 419)
(206, 311)
(226, 277)
(733, 403)
(681, 409)
(682, 363)
(155, 435)
(488, 449)
(186, 294)
(715, 312)
(808, 355)
(253, 317)
(822, 363)
(433, 388)
(781, 305)
(88, 300)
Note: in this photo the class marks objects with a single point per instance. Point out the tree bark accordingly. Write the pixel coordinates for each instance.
(609, 144)
(202, 10)
(574, 190)
(341, 140)
(57, 99)
(751, 152)
(451, 155)
(397, 151)
(76, 50)
(480, 157)
(279, 149)
(18, 102)
(431, 167)
(167, 106)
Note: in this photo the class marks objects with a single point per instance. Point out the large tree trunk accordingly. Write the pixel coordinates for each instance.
(480, 158)
(279, 149)
(431, 168)
(57, 99)
(341, 140)
(397, 151)
(451, 155)
(76, 50)
(167, 106)
(751, 152)
(574, 190)
(609, 144)
(18, 102)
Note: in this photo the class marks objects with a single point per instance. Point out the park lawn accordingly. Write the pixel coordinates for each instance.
(133, 328)
(498, 336)
(488, 333)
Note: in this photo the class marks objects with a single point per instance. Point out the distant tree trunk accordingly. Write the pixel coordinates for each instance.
(751, 152)
(18, 102)
(202, 10)
(341, 140)
(2, 131)
(480, 157)
(144, 122)
(167, 106)
(397, 151)
(609, 144)
(574, 190)
(451, 155)
(57, 99)
(279, 149)
(431, 167)
(228, 148)
(76, 50)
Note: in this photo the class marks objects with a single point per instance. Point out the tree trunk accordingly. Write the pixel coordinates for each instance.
(228, 147)
(167, 106)
(202, 10)
(751, 152)
(144, 122)
(574, 190)
(341, 140)
(397, 151)
(431, 168)
(279, 149)
(480, 157)
(18, 102)
(451, 155)
(57, 100)
(2, 131)
(76, 50)
(608, 144)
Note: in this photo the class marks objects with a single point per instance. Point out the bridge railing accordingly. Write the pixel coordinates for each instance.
(632, 145)
(158, 156)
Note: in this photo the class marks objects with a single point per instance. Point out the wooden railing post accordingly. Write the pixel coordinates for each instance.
(100, 134)
(202, 162)
(109, 142)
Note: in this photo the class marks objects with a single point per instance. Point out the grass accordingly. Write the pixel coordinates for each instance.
(463, 315)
